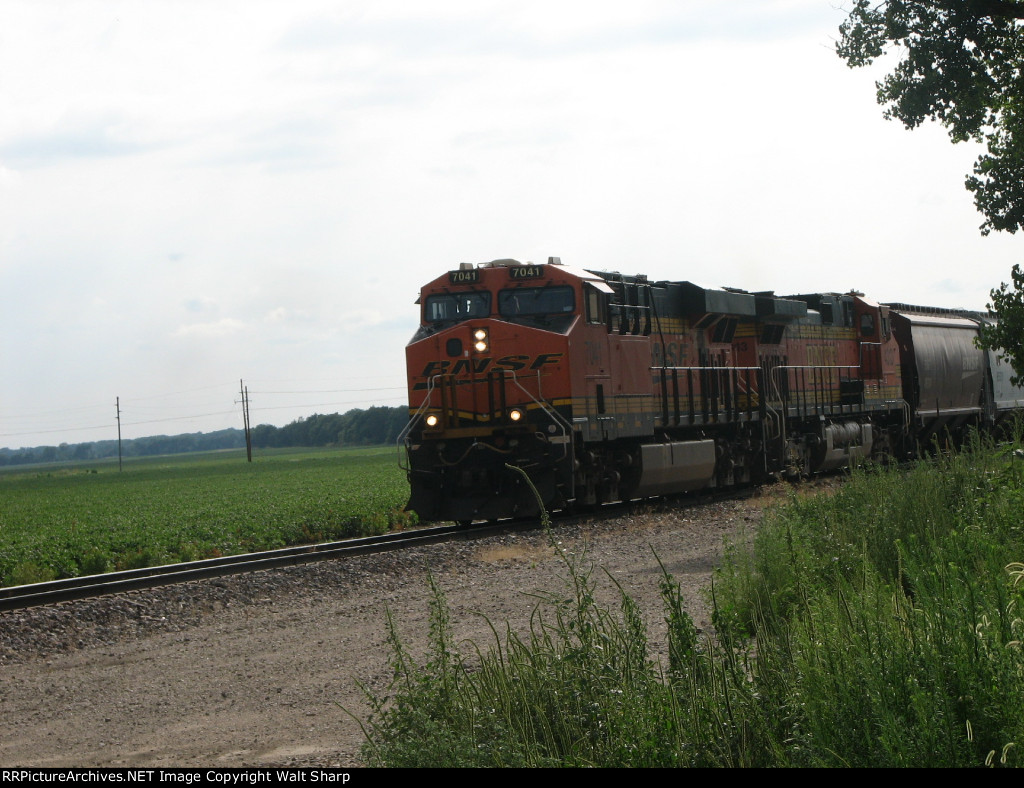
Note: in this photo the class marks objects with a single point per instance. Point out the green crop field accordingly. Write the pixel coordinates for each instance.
(68, 520)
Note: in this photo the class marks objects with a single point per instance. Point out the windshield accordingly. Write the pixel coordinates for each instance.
(455, 307)
(536, 301)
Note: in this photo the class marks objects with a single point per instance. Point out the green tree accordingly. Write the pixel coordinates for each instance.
(1008, 334)
(961, 64)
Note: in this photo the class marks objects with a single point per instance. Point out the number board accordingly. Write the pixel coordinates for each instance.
(526, 272)
(468, 276)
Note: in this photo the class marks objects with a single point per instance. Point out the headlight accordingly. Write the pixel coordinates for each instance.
(481, 342)
(515, 414)
(432, 420)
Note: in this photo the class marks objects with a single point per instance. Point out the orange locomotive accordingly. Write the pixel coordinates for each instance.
(602, 387)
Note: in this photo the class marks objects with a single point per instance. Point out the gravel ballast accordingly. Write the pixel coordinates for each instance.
(264, 669)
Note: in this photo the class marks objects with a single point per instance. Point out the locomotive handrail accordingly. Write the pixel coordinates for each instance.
(907, 418)
(432, 385)
(778, 389)
(776, 417)
(549, 410)
(748, 369)
(404, 434)
(817, 407)
(556, 419)
(817, 366)
(553, 414)
(773, 374)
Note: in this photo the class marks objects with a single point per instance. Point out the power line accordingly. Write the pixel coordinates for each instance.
(108, 424)
(179, 418)
(335, 391)
(44, 432)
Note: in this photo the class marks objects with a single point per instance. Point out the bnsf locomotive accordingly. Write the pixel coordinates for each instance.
(603, 387)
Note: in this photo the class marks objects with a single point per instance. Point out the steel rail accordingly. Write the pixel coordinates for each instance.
(72, 588)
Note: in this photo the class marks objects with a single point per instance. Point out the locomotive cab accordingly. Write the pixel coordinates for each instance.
(490, 412)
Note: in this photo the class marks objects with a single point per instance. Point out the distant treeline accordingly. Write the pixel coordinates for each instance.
(377, 425)
(354, 428)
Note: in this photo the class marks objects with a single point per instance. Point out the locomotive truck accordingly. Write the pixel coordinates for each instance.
(582, 387)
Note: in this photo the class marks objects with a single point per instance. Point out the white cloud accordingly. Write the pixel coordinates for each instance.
(221, 328)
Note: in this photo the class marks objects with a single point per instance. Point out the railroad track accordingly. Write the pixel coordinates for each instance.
(72, 588)
(92, 586)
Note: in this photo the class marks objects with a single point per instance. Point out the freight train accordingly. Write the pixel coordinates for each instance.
(581, 387)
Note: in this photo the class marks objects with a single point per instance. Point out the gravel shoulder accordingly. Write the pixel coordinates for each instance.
(265, 669)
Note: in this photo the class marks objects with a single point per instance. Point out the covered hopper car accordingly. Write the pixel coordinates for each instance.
(601, 387)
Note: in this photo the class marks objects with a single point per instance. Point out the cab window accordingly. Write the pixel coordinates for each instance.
(597, 305)
(456, 307)
(520, 301)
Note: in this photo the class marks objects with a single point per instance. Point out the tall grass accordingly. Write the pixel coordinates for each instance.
(887, 620)
(579, 690)
(880, 625)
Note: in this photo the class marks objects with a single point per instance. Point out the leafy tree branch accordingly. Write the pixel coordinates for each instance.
(961, 64)
(1008, 334)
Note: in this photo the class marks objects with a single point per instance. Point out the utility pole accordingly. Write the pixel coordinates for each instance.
(117, 404)
(245, 419)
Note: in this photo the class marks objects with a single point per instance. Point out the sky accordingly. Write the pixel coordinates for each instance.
(198, 196)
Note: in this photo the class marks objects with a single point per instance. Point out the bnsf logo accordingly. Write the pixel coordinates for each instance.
(478, 366)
